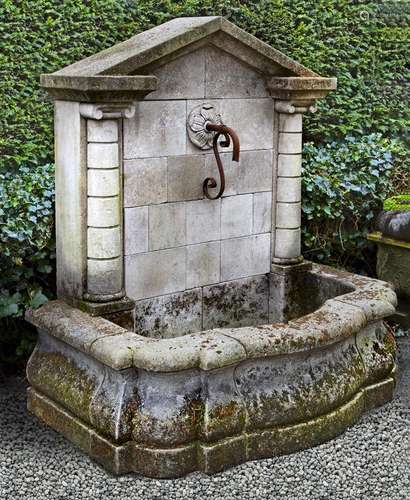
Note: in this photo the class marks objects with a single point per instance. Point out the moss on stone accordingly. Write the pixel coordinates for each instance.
(62, 380)
(400, 202)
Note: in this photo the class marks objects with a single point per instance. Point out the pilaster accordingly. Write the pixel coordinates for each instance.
(293, 97)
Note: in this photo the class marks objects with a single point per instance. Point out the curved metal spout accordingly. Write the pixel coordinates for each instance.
(228, 134)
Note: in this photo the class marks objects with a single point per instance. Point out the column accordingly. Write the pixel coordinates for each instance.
(104, 240)
(287, 210)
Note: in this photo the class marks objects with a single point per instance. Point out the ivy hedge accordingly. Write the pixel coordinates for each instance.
(356, 144)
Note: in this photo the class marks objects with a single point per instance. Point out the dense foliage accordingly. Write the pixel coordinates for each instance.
(26, 249)
(365, 44)
(344, 186)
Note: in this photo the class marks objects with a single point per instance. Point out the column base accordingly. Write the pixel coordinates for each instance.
(285, 262)
(104, 308)
(285, 280)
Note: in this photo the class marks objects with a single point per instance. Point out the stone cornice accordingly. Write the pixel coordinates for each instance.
(98, 88)
(300, 92)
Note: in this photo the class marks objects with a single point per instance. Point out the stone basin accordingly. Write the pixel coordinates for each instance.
(213, 399)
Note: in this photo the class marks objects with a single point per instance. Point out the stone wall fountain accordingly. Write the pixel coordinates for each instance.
(189, 333)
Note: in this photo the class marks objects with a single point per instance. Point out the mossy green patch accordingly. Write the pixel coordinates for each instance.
(400, 202)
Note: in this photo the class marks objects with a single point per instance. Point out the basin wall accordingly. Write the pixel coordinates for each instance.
(205, 401)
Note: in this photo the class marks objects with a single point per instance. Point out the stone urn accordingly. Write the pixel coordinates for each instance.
(392, 236)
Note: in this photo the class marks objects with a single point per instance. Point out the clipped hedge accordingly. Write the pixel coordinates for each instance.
(363, 43)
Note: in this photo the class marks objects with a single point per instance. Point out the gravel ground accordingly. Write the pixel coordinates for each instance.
(369, 461)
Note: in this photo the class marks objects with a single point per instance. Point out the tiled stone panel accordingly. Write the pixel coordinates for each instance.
(236, 303)
(197, 75)
(169, 316)
(241, 257)
(179, 246)
(157, 129)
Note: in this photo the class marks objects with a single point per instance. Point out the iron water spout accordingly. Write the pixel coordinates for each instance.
(229, 134)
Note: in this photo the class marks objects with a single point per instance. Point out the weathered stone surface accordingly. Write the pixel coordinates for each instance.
(219, 350)
(125, 318)
(155, 273)
(135, 230)
(186, 175)
(116, 459)
(150, 46)
(236, 216)
(165, 416)
(103, 182)
(71, 325)
(165, 463)
(376, 303)
(103, 212)
(239, 79)
(294, 292)
(116, 351)
(157, 129)
(236, 303)
(102, 130)
(297, 437)
(58, 371)
(71, 201)
(262, 212)
(247, 256)
(203, 264)
(104, 276)
(334, 320)
(203, 221)
(395, 224)
(330, 323)
(103, 243)
(288, 189)
(185, 418)
(289, 165)
(287, 243)
(98, 89)
(288, 215)
(145, 182)
(377, 347)
(288, 390)
(379, 394)
(223, 409)
(102, 156)
(181, 78)
(169, 316)
(219, 456)
(167, 228)
(290, 122)
(290, 143)
(393, 265)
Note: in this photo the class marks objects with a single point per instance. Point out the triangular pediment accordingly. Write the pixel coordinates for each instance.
(159, 45)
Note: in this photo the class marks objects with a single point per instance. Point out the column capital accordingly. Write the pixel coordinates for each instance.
(292, 106)
(107, 110)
